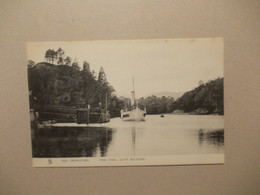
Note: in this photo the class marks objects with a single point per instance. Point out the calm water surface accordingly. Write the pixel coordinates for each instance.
(171, 135)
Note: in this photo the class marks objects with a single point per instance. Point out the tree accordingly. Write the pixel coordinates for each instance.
(102, 82)
(67, 61)
(102, 79)
(104, 89)
(48, 55)
(75, 65)
(51, 55)
(86, 66)
(30, 63)
(201, 82)
(94, 74)
(60, 57)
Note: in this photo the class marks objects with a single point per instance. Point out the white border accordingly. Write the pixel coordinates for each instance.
(130, 161)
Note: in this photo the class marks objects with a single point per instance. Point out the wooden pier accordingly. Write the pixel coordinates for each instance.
(63, 114)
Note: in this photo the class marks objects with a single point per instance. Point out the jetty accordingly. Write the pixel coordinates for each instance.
(62, 116)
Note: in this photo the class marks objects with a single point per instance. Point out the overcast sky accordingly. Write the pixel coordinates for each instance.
(175, 65)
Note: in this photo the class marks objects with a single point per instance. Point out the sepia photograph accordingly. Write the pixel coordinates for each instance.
(126, 102)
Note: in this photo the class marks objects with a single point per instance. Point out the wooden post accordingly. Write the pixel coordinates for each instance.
(88, 116)
(88, 113)
(78, 117)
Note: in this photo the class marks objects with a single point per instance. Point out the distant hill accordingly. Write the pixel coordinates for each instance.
(175, 95)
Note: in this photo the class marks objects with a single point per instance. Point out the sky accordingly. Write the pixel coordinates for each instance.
(172, 65)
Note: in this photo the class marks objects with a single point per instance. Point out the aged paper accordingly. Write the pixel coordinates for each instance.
(126, 103)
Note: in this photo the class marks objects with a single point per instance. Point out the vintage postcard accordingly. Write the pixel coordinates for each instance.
(126, 103)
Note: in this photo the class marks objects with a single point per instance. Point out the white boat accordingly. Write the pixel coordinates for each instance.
(134, 113)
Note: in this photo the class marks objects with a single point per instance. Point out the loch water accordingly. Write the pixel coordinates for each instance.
(168, 135)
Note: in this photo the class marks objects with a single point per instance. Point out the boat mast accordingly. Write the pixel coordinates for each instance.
(133, 94)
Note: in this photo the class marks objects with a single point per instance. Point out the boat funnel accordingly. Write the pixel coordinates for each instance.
(132, 98)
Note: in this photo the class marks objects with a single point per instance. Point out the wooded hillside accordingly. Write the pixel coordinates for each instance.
(206, 99)
(61, 82)
(69, 86)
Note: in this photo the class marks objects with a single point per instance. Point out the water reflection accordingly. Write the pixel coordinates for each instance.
(215, 137)
(71, 142)
(172, 135)
(133, 139)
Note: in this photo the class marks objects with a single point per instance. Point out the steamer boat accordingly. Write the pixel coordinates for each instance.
(133, 112)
